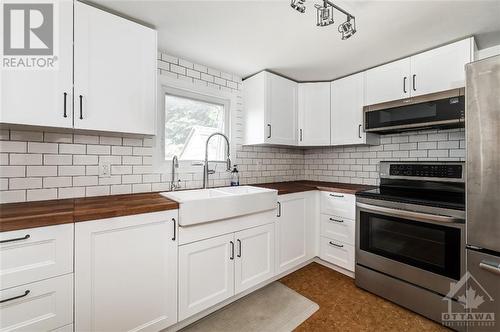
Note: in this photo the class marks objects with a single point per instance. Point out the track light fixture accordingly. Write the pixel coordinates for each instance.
(324, 16)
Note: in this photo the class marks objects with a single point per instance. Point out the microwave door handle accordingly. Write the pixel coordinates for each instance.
(418, 216)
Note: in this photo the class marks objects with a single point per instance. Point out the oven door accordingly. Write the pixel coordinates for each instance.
(419, 247)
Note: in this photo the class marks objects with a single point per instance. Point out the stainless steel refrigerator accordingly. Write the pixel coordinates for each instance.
(483, 185)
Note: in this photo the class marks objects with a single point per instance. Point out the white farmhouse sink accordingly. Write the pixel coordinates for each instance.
(207, 205)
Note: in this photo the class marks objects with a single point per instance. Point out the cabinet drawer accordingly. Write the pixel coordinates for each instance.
(47, 306)
(337, 252)
(35, 254)
(337, 228)
(338, 204)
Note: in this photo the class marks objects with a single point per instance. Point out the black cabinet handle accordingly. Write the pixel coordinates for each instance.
(301, 135)
(81, 107)
(359, 131)
(338, 196)
(270, 130)
(232, 250)
(175, 224)
(336, 220)
(414, 82)
(404, 84)
(336, 245)
(239, 248)
(16, 297)
(27, 236)
(279, 210)
(65, 113)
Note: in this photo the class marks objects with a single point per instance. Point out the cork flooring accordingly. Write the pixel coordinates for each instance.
(344, 307)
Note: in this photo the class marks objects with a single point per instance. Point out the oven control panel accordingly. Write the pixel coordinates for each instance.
(452, 171)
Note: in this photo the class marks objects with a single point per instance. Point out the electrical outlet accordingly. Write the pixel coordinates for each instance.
(104, 170)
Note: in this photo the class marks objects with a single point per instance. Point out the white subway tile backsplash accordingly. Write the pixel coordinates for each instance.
(132, 142)
(71, 170)
(98, 149)
(85, 159)
(11, 146)
(72, 148)
(71, 192)
(97, 191)
(33, 136)
(55, 159)
(56, 182)
(121, 189)
(58, 138)
(12, 196)
(34, 147)
(83, 181)
(25, 183)
(25, 159)
(85, 139)
(41, 194)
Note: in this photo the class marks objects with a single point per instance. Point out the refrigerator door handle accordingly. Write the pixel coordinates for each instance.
(490, 267)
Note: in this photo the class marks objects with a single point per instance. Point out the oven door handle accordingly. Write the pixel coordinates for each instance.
(419, 216)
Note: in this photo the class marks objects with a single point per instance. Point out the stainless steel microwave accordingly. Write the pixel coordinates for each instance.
(437, 110)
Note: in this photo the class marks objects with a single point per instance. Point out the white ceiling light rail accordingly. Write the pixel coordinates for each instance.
(325, 16)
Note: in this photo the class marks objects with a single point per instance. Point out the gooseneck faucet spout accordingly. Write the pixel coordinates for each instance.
(175, 165)
(206, 171)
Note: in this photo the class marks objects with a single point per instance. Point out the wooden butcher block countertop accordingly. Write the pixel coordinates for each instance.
(301, 186)
(17, 216)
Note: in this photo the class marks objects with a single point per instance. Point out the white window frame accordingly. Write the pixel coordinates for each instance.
(176, 87)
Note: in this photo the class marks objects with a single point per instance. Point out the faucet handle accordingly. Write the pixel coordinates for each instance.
(228, 164)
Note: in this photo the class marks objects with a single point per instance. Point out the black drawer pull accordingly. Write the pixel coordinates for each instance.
(232, 250)
(27, 236)
(279, 210)
(336, 220)
(65, 113)
(16, 297)
(338, 196)
(173, 238)
(239, 248)
(81, 107)
(336, 245)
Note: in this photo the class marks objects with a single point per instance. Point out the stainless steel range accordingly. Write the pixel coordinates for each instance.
(410, 235)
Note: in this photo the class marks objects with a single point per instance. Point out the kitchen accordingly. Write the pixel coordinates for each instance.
(156, 179)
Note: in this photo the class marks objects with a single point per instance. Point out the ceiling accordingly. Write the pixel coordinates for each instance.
(244, 37)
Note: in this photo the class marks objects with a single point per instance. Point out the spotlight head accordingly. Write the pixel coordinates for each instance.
(299, 5)
(324, 15)
(348, 28)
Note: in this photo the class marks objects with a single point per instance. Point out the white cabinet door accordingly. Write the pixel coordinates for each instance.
(388, 82)
(254, 256)
(281, 110)
(337, 252)
(39, 97)
(347, 110)
(442, 68)
(126, 273)
(206, 274)
(295, 230)
(115, 73)
(34, 254)
(314, 114)
(40, 306)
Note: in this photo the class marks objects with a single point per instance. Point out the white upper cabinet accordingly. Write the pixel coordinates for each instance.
(270, 110)
(314, 114)
(42, 97)
(388, 82)
(115, 73)
(442, 68)
(347, 112)
(439, 69)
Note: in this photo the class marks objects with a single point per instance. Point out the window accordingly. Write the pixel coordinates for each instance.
(189, 120)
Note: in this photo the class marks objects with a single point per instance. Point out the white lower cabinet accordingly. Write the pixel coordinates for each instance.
(337, 252)
(338, 228)
(34, 254)
(213, 270)
(40, 306)
(206, 274)
(295, 225)
(126, 273)
(254, 257)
